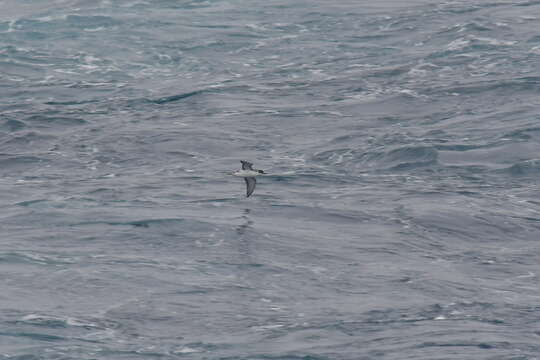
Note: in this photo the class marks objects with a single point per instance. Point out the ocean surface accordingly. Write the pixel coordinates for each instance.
(400, 217)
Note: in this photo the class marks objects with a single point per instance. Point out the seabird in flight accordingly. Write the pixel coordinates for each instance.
(248, 173)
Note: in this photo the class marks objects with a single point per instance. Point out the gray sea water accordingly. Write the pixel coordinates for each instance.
(400, 217)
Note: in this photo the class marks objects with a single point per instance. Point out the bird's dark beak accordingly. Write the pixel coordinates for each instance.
(261, 172)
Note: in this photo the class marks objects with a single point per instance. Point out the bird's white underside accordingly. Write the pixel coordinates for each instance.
(246, 173)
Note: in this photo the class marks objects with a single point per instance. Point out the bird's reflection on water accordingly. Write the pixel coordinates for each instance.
(241, 229)
(245, 241)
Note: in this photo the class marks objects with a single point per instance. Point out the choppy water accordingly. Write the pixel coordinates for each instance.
(400, 219)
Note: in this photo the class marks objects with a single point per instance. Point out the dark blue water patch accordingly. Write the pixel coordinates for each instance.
(318, 214)
(25, 142)
(53, 121)
(290, 356)
(385, 73)
(525, 134)
(411, 157)
(527, 3)
(534, 39)
(12, 125)
(524, 168)
(523, 84)
(4, 26)
(72, 102)
(315, 178)
(347, 138)
(139, 102)
(95, 21)
(24, 70)
(172, 98)
(145, 223)
(526, 218)
(401, 159)
(481, 345)
(281, 178)
(34, 336)
(177, 153)
(34, 36)
(155, 222)
(25, 357)
(195, 290)
(20, 162)
(459, 147)
(31, 25)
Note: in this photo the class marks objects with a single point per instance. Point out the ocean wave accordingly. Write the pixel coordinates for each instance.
(34, 258)
(20, 162)
(53, 121)
(525, 168)
(398, 159)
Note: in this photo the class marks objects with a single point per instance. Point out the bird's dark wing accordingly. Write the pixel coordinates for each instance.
(246, 165)
(250, 185)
